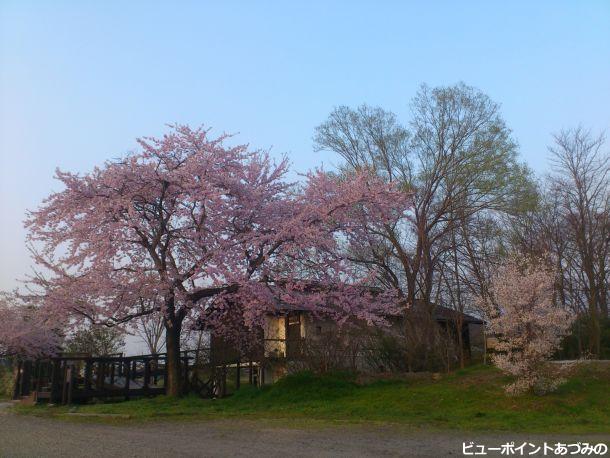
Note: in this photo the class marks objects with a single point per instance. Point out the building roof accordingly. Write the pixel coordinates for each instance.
(441, 313)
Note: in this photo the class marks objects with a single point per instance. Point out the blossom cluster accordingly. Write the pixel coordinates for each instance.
(528, 326)
(25, 331)
(187, 226)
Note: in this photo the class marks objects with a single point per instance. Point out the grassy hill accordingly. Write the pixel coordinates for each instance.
(471, 399)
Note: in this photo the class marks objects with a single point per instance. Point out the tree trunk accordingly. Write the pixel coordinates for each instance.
(172, 344)
(594, 332)
(484, 345)
(460, 306)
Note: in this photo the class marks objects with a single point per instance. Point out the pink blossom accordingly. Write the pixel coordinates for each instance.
(24, 331)
(187, 224)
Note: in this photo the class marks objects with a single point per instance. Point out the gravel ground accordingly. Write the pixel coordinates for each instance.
(26, 436)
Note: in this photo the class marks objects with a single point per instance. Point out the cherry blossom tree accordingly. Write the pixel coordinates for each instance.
(24, 331)
(186, 225)
(527, 324)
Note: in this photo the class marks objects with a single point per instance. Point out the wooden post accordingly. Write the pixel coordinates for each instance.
(70, 382)
(99, 385)
(238, 376)
(134, 370)
(127, 379)
(36, 375)
(261, 371)
(286, 327)
(165, 373)
(185, 381)
(64, 391)
(156, 370)
(22, 374)
(18, 377)
(88, 374)
(224, 381)
(55, 375)
(112, 369)
(146, 374)
(250, 374)
(26, 378)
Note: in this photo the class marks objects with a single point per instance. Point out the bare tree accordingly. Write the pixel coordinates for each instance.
(151, 330)
(580, 188)
(460, 163)
(571, 223)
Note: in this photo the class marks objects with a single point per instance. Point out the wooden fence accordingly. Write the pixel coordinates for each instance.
(71, 378)
(66, 379)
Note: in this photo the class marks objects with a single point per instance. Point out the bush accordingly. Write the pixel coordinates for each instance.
(7, 380)
(575, 345)
(418, 344)
(387, 352)
(336, 351)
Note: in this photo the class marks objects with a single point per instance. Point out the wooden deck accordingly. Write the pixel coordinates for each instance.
(77, 378)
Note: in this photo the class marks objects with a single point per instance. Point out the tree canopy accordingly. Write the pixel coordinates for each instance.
(188, 228)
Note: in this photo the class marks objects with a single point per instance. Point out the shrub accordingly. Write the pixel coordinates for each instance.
(7, 380)
(417, 344)
(339, 350)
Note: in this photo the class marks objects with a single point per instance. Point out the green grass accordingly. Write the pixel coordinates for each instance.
(470, 399)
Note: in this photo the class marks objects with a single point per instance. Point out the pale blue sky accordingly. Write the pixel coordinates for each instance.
(80, 80)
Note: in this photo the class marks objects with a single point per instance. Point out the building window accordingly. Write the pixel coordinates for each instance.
(294, 319)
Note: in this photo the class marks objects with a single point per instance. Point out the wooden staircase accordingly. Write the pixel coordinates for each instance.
(28, 400)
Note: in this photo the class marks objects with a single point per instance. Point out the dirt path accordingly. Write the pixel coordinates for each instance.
(26, 436)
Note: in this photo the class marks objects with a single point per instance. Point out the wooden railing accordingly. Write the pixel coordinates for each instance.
(67, 379)
(283, 348)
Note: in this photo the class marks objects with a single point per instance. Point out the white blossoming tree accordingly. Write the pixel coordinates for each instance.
(527, 324)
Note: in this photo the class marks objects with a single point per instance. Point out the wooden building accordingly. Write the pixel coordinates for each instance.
(288, 327)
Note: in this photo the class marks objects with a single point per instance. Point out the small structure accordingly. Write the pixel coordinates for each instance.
(287, 327)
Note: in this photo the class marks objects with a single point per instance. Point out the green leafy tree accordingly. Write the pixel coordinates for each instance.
(96, 340)
(458, 160)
